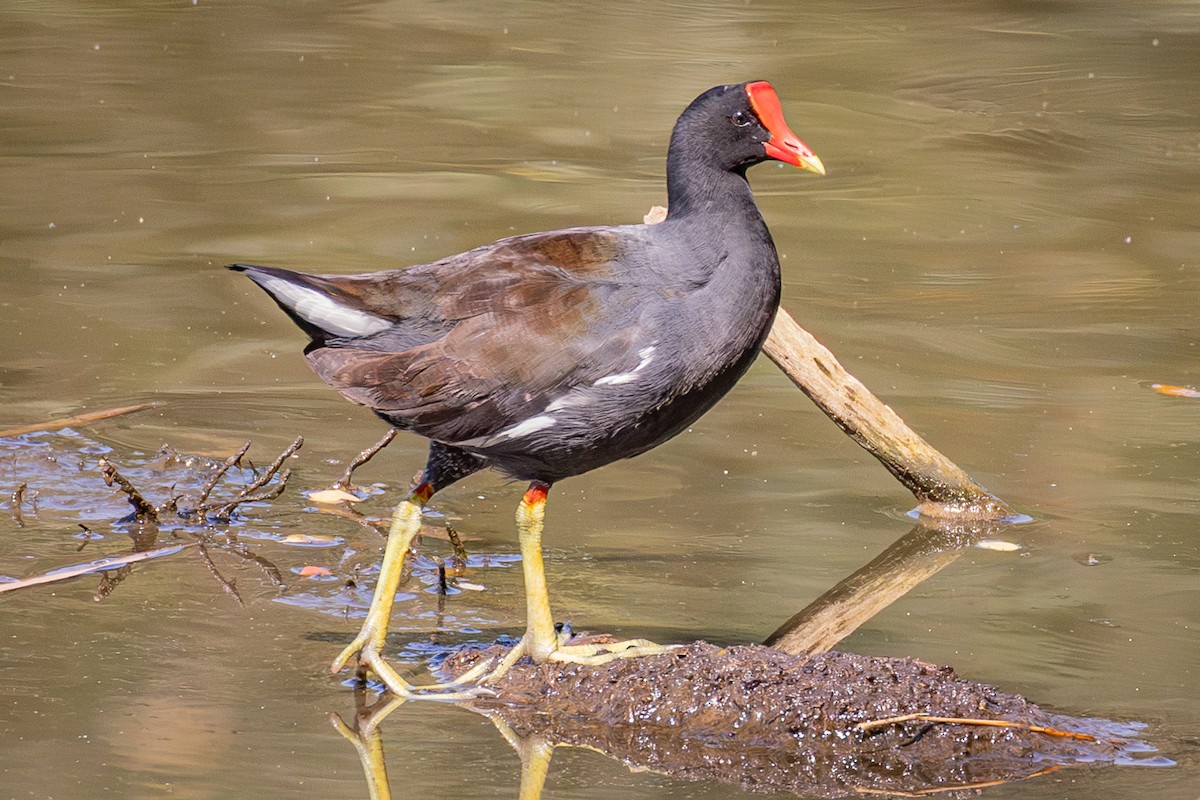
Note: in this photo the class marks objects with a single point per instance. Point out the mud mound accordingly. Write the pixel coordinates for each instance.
(769, 721)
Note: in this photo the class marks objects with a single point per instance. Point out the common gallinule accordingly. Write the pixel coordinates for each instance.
(550, 354)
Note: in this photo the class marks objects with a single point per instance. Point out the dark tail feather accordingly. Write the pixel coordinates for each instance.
(319, 310)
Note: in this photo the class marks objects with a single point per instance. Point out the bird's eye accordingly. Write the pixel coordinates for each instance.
(740, 118)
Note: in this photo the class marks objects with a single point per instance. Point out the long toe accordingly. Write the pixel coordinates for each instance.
(452, 691)
(591, 654)
(596, 654)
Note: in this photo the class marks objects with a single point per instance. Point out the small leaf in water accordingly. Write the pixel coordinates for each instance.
(333, 496)
(311, 539)
(473, 587)
(998, 545)
(1175, 391)
(311, 571)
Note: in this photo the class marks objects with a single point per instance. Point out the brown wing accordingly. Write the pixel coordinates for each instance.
(508, 327)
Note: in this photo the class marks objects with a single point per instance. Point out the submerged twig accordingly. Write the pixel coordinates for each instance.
(269, 569)
(145, 534)
(228, 585)
(88, 535)
(378, 526)
(443, 584)
(459, 562)
(18, 497)
(109, 581)
(78, 419)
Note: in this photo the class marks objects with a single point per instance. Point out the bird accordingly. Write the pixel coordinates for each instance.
(547, 355)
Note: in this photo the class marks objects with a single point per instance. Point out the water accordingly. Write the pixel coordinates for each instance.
(1004, 250)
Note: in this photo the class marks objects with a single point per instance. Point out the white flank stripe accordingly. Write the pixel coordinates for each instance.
(613, 380)
(646, 354)
(531, 425)
(566, 401)
(322, 311)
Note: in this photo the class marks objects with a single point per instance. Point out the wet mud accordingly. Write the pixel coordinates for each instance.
(768, 721)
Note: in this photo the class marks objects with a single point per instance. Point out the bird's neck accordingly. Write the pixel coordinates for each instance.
(711, 207)
(696, 187)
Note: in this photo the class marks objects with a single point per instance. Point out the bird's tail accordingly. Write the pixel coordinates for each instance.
(315, 303)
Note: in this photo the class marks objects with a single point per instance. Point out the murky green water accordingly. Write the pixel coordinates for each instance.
(1004, 249)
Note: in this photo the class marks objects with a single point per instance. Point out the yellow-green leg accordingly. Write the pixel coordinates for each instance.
(540, 641)
(368, 645)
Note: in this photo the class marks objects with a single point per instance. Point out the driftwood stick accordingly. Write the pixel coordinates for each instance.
(943, 490)
(941, 487)
(95, 566)
(70, 422)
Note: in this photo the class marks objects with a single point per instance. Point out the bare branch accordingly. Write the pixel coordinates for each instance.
(366, 455)
(941, 487)
(230, 462)
(142, 509)
(71, 422)
(222, 511)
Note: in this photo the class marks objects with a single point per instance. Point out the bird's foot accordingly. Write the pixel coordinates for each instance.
(369, 658)
(592, 654)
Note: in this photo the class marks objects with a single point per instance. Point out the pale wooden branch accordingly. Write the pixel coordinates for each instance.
(94, 566)
(941, 487)
(71, 422)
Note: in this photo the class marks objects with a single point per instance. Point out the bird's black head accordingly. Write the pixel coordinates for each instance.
(737, 126)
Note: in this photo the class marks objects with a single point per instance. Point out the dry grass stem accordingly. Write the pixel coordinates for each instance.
(871, 725)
